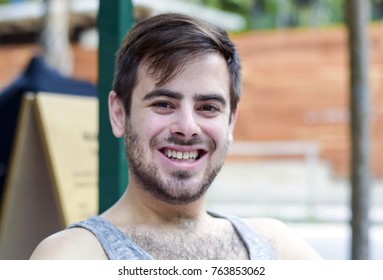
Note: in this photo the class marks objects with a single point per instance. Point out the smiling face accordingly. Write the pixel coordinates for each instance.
(178, 133)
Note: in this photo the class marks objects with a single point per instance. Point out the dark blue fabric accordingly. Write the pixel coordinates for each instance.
(37, 77)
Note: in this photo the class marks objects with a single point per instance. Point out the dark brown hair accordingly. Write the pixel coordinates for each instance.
(165, 43)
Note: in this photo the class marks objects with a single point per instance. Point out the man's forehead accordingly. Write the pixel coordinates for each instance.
(169, 69)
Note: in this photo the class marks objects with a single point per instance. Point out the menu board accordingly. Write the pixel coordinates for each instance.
(53, 176)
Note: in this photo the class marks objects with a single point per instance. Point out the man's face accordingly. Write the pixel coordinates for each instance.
(178, 133)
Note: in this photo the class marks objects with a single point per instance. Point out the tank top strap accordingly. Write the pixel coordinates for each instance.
(257, 247)
(115, 243)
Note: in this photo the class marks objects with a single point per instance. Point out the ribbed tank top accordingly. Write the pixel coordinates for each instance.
(118, 246)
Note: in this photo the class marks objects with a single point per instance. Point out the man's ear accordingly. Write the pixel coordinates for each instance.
(233, 120)
(116, 114)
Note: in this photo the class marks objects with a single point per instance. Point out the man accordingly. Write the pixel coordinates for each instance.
(174, 100)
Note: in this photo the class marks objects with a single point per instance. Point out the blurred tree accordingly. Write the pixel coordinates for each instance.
(55, 36)
(357, 18)
(304, 3)
(376, 9)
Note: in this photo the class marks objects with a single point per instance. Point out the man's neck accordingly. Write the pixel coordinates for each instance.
(136, 206)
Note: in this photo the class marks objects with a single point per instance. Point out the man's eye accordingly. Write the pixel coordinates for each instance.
(210, 108)
(162, 105)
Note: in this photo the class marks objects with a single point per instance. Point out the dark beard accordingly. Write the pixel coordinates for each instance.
(175, 190)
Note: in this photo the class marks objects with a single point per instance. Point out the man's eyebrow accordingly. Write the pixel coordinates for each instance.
(211, 96)
(163, 93)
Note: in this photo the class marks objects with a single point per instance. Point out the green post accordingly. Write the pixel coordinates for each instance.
(114, 19)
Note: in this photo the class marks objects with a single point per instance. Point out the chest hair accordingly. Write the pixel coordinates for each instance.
(211, 243)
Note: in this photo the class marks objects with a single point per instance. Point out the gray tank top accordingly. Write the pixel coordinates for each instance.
(118, 246)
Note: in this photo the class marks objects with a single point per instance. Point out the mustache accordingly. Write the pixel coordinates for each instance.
(197, 140)
(181, 142)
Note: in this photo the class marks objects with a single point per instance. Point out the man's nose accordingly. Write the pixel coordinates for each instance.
(186, 124)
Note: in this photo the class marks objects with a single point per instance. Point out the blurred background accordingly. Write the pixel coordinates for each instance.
(291, 158)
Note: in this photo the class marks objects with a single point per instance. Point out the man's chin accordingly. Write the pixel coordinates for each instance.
(180, 191)
(181, 199)
(182, 175)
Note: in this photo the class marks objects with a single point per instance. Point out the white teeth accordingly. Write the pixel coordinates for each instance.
(193, 154)
(180, 155)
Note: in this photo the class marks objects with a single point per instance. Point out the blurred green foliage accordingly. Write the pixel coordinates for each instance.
(17, 1)
(267, 14)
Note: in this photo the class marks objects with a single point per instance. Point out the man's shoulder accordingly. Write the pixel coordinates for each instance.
(74, 243)
(285, 242)
(267, 225)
